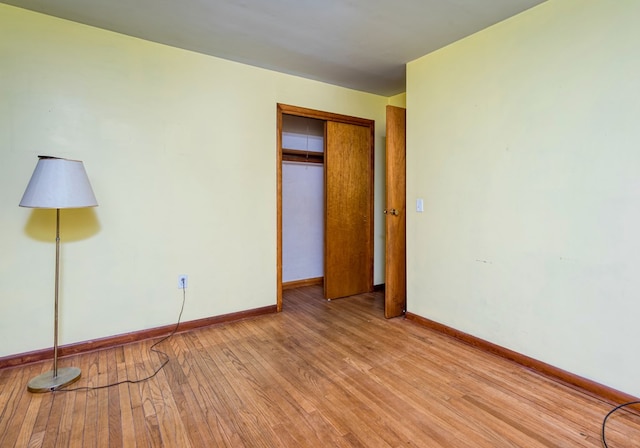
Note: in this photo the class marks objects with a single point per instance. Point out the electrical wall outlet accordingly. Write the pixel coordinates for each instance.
(183, 279)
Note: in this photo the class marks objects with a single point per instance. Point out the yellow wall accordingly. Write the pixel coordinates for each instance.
(524, 143)
(399, 100)
(180, 150)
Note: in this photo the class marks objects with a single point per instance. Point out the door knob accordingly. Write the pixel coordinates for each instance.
(393, 211)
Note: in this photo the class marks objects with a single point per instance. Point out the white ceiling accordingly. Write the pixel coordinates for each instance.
(359, 44)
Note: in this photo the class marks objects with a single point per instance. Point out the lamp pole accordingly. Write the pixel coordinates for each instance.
(55, 306)
(64, 376)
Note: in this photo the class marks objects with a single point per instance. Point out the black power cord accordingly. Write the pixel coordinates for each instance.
(604, 422)
(151, 349)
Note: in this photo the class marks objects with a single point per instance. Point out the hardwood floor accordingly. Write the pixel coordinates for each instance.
(319, 374)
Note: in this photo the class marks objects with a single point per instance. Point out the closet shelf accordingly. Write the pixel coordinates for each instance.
(296, 155)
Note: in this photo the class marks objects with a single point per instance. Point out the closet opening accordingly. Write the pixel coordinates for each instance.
(324, 201)
(302, 201)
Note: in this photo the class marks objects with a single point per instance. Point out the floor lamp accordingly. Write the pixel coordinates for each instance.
(57, 183)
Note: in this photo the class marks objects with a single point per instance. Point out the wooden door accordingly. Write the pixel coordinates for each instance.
(395, 296)
(348, 210)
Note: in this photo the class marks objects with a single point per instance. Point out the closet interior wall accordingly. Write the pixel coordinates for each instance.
(302, 198)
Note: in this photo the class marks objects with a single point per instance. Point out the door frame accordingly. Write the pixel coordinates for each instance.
(285, 109)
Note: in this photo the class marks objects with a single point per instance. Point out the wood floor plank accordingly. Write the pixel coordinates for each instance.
(203, 402)
(205, 386)
(334, 374)
(131, 353)
(78, 412)
(90, 378)
(276, 403)
(124, 402)
(114, 411)
(26, 428)
(149, 394)
(52, 431)
(185, 402)
(16, 403)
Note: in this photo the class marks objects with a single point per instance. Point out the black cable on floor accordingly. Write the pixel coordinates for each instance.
(151, 349)
(604, 422)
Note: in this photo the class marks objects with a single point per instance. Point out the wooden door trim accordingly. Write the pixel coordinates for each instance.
(278, 209)
(286, 109)
(320, 115)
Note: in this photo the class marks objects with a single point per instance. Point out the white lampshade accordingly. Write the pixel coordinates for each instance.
(58, 183)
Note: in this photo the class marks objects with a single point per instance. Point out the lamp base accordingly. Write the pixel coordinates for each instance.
(47, 382)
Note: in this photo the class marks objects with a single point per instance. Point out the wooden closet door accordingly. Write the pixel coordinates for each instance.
(349, 210)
